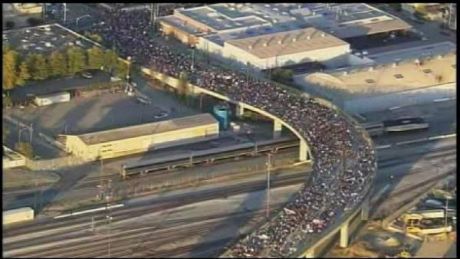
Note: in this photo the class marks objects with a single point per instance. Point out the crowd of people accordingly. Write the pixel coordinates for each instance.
(344, 161)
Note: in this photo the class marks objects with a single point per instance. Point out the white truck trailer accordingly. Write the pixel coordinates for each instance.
(18, 215)
(48, 99)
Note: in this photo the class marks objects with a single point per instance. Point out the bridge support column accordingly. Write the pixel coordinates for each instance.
(310, 253)
(239, 111)
(303, 151)
(365, 210)
(344, 235)
(277, 127)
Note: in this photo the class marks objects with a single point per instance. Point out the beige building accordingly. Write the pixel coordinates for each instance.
(287, 48)
(141, 138)
(381, 86)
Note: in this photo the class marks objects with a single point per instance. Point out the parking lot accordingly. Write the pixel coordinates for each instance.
(56, 85)
(100, 113)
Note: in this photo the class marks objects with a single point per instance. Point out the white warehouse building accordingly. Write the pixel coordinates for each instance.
(279, 49)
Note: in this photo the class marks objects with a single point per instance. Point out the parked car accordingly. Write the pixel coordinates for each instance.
(446, 33)
(161, 115)
(143, 100)
(87, 75)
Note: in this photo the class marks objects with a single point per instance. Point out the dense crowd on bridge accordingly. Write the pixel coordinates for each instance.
(344, 162)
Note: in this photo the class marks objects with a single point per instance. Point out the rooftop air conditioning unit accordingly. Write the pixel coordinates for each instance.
(280, 42)
(308, 37)
(371, 68)
(265, 44)
(417, 61)
(439, 56)
(294, 39)
(345, 73)
(395, 64)
(250, 46)
(323, 35)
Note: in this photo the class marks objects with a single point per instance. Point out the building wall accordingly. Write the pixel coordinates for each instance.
(28, 8)
(17, 215)
(336, 55)
(140, 144)
(182, 36)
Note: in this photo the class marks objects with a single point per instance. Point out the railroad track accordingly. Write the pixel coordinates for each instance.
(166, 203)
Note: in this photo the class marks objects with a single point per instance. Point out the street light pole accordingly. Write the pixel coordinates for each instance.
(268, 185)
(65, 13)
(193, 59)
(445, 215)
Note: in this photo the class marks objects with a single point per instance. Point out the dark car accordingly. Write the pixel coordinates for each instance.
(446, 33)
(87, 75)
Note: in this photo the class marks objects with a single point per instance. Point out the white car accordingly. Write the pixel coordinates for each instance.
(161, 115)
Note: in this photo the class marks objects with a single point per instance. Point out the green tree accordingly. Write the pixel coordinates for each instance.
(110, 60)
(30, 62)
(121, 69)
(76, 60)
(95, 58)
(24, 74)
(42, 69)
(282, 75)
(10, 66)
(58, 64)
(7, 102)
(25, 148)
(5, 132)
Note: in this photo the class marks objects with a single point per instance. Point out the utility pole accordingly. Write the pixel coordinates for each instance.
(65, 13)
(193, 59)
(109, 217)
(445, 215)
(31, 132)
(268, 185)
(92, 224)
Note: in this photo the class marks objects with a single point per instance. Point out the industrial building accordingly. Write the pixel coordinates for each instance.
(273, 35)
(17, 215)
(282, 48)
(44, 39)
(341, 20)
(400, 79)
(141, 138)
(12, 159)
(49, 99)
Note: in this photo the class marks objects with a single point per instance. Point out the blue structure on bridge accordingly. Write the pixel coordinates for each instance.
(222, 114)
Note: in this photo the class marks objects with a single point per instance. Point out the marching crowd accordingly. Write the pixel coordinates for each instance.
(344, 162)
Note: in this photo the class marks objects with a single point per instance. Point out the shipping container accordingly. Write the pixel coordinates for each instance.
(18, 215)
(52, 98)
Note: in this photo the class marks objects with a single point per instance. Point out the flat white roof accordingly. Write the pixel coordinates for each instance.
(285, 43)
(341, 20)
(147, 129)
(440, 48)
(404, 75)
